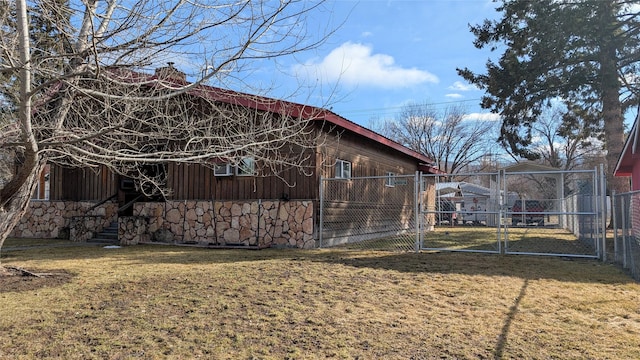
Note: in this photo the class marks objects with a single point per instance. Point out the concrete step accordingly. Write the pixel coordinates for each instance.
(108, 235)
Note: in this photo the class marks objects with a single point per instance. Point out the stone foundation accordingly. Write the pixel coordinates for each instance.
(217, 223)
(133, 230)
(53, 219)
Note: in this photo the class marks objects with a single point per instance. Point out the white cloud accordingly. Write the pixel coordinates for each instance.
(366, 34)
(356, 65)
(482, 117)
(460, 86)
(454, 96)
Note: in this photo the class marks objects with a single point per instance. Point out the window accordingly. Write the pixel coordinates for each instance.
(343, 169)
(222, 170)
(246, 167)
(391, 180)
(400, 181)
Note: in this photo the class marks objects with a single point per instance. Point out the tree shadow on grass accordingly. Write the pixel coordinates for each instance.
(522, 266)
(15, 281)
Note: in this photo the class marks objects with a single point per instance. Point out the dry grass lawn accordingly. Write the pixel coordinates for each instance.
(152, 302)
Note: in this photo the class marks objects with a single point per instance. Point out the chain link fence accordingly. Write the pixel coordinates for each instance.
(554, 213)
(369, 213)
(626, 240)
(461, 215)
(536, 213)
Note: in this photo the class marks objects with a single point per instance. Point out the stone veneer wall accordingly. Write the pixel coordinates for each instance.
(51, 219)
(251, 223)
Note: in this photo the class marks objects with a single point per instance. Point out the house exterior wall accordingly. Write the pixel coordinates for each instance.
(83, 184)
(196, 182)
(221, 223)
(259, 211)
(367, 158)
(53, 219)
(635, 176)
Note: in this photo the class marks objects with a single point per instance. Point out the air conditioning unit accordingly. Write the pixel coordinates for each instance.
(223, 170)
(127, 184)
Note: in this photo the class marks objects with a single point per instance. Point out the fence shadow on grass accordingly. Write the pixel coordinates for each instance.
(525, 267)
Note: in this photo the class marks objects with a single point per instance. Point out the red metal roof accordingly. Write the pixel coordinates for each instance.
(283, 107)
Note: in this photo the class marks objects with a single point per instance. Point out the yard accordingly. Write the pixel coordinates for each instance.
(177, 302)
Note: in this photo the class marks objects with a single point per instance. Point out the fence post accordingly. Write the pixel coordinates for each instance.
(624, 216)
(603, 207)
(615, 225)
(321, 218)
(501, 183)
(417, 183)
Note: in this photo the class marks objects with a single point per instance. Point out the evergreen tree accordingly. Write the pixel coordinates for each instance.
(584, 52)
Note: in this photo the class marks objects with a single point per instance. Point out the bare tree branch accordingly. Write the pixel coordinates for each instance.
(445, 136)
(87, 98)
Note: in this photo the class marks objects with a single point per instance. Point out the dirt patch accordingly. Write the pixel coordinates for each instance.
(17, 279)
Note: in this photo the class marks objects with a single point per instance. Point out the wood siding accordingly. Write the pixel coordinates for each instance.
(195, 182)
(367, 158)
(81, 184)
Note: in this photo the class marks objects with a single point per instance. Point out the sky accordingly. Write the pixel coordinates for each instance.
(386, 54)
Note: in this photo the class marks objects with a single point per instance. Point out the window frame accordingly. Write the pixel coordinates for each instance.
(244, 164)
(227, 167)
(391, 179)
(342, 170)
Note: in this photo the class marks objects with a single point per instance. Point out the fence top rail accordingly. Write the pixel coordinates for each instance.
(507, 173)
(461, 174)
(395, 176)
(629, 193)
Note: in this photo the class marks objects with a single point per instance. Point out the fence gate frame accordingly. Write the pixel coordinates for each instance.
(428, 211)
(501, 210)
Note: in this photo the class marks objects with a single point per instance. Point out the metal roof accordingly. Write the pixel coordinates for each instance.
(277, 106)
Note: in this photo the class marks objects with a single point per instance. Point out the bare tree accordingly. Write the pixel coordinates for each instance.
(90, 103)
(564, 140)
(448, 137)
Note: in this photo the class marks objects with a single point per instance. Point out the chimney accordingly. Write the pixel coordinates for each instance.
(169, 72)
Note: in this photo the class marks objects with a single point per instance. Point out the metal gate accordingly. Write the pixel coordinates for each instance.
(551, 212)
(559, 213)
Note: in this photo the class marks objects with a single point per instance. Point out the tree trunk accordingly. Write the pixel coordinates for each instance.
(611, 105)
(15, 196)
(14, 206)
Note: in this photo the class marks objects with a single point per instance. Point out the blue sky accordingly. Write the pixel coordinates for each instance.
(382, 56)
(389, 53)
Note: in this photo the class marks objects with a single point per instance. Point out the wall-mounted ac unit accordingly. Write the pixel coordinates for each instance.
(223, 170)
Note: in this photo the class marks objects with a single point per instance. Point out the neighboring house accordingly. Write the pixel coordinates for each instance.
(471, 201)
(629, 161)
(231, 205)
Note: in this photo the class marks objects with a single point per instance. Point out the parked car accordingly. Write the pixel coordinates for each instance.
(528, 212)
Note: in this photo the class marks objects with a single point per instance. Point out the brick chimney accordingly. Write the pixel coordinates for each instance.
(169, 72)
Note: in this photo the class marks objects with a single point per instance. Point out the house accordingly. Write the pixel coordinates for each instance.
(629, 160)
(470, 202)
(225, 204)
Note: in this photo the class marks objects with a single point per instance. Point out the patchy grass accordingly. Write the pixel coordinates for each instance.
(530, 239)
(462, 238)
(173, 302)
(14, 242)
